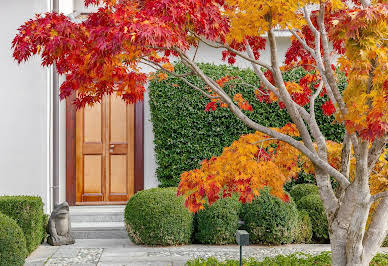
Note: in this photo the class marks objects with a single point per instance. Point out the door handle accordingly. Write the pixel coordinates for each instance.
(111, 147)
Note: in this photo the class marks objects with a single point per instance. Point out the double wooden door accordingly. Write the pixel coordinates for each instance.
(105, 152)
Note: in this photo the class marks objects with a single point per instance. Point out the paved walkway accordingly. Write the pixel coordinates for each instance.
(123, 252)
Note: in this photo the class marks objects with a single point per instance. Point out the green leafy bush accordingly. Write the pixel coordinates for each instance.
(158, 217)
(314, 206)
(299, 191)
(269, 220)
(303, 231)
(217, 224)
(27, 211)
(296, 259)
(46, 218)
(12, 242)
(185, 134)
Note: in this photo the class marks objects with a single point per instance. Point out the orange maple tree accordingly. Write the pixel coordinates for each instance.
(105, 54)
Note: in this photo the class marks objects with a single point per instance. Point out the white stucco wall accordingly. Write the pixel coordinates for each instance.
(24, 167)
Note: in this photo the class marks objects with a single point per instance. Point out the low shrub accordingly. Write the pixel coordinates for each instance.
(303, 231)
(299, 191)
(46, 218)
(27, 211)
(300, 259)
(158, 217)
(269, 220)
(217, 224)
(12, 242)
(313, 205)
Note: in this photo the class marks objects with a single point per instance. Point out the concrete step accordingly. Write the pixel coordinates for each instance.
(98, 222)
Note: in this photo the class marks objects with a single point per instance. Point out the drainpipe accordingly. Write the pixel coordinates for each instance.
(55, 99)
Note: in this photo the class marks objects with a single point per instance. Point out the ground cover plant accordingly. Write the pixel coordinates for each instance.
(28, 213)
(300, 259)
(102, 55)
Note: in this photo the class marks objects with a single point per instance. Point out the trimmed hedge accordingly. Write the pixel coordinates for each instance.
(217, 224)
(303, 231)
(12, 242)
(314, 206)
(185, 134)
(269, 220)
(299, 191)
(27, 211)
(158, 217)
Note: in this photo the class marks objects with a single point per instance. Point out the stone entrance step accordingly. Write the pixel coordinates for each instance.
(98, 222)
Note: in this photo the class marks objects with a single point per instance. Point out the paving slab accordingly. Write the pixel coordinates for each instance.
(116, 252)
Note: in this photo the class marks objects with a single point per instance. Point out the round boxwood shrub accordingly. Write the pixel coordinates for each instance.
(217, 224)
(303, 231)
(269, 220)
(314, 206)
(299, 191)
(158, 217)
(12, 242)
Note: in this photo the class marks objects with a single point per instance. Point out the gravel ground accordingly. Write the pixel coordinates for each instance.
(123, 252)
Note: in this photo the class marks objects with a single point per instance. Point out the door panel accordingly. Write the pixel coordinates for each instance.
(104, 148)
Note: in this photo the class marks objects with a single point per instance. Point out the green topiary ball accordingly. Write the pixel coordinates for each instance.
(314, 206)
(12, 242)
(269, 220)
(158, 217)
(299, 191)
(218, 223)
(303, 231)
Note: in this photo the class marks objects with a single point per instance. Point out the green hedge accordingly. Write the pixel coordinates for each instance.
(314, 206)
(158, 217)
(304, 230)
(218, 223)
(269, 220)
(27, 211)
(299, 191)
(12, 242)
(185, 134)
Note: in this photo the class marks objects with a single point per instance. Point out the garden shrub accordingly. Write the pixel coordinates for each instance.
(299, 191)
(46, 218)
(27, 211)
(218, 223)
(314, 206)
(385, 243)
(303, 231)
(185, 134)
(269, 220)
(158, 217)
(12, 242)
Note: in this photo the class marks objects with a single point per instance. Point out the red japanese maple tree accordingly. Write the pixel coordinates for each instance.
(104, 53)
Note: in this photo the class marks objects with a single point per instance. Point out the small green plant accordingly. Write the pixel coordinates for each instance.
(313, 205)
(299, 191)
(158, 217)
(295, 259)
(12, 242)
(28, 213)
(269, 220)
(217, 224)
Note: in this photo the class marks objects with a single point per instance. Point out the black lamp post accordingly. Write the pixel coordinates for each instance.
(242, 238)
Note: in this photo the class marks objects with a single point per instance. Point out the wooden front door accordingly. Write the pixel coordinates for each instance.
(105, 152)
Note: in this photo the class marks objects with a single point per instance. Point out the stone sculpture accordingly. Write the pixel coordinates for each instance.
(59, 226)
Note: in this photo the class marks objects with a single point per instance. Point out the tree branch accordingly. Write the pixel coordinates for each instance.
(326, 167)
(230, 49)
(377, 196)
